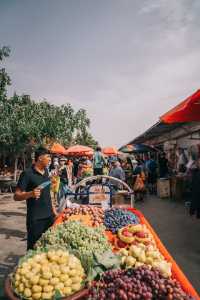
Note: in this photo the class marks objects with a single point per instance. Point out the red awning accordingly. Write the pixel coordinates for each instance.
(186, 111)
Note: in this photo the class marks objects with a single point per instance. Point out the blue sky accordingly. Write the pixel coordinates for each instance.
(125, 61)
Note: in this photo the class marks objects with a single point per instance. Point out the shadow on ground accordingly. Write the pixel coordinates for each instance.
(12, 213)
(10, 233)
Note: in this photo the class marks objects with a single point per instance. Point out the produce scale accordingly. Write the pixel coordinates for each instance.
(99, 254)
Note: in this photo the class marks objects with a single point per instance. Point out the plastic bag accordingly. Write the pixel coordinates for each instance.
(66, 203)
(139, 184)
(143, 176)
(55, 183)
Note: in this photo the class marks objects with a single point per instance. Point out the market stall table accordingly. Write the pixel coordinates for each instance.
(176, 271)
(6, 183)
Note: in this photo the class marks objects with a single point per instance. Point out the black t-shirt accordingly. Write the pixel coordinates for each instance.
(41, 208)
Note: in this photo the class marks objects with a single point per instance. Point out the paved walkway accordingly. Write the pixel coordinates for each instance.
(12, 233)
(179, 233)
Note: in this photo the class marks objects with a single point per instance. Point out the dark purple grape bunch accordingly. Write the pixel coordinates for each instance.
(136, 284)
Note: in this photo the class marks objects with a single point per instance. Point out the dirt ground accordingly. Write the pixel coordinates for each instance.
(178, 231)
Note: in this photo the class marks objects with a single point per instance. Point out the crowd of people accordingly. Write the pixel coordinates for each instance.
(139, 172)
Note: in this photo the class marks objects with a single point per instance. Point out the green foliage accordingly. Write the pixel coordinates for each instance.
(103, 262)
(4, 77)
(25, 122)
(82, 123)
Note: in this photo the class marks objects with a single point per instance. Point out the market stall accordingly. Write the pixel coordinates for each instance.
(95, 253)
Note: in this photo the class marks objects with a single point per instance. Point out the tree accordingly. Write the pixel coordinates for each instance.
(4, 77)
(25, 123)
(82, 124)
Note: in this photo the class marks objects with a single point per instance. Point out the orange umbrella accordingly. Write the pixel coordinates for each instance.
(79, 150)
(110, 151)
(58, 149)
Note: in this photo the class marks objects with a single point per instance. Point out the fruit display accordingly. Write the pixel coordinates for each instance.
(116, 218)
(88, 214)
(81, 239)
(141, 284)
(141, 249)
(131, 234)
(135, 233)
(113, 247)
(44, 274)
(138, 255)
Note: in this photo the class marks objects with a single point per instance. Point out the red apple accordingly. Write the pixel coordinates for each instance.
(141, 234)
(125, 232)
(121, 244)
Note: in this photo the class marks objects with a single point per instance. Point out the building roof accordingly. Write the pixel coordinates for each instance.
(156, 130)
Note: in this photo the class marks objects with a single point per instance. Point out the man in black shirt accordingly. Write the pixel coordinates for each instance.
(40, 214)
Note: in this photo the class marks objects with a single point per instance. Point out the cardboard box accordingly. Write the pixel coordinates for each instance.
(163, 188)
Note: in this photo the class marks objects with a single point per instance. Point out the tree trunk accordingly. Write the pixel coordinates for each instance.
(15, 169)
(24, 162)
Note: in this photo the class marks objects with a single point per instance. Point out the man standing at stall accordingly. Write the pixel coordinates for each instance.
(34, 187)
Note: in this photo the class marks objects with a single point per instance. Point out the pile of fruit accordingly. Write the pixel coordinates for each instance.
(135, 233)
(138, 255)
(88, 214)
(43, 274)
(142, 283)
(129, 235)
(141, 249)
(83, 240)
(116, 218)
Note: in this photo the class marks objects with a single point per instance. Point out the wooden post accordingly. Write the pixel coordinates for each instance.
(15, 170)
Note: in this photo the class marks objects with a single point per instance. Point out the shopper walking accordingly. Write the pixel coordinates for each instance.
(138, 180)
(63, 174)
(98, 162)
(117, 171)
(163, 166)
(151, 166)
(70, 167)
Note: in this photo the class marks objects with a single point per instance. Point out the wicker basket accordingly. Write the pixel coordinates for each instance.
(81, 295)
